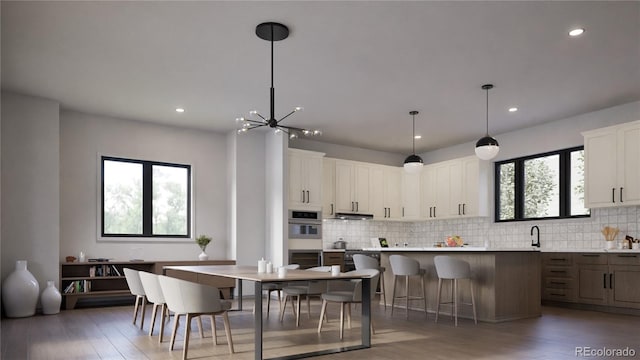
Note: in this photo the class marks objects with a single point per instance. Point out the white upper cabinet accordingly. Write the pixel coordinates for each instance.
(411, 196)
(305, 179)
(612, 166)
(328, 188)
(385, 192)
(455, 188)
(352, 187)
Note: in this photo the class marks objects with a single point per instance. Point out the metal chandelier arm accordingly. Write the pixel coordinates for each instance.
(255, 121)
(286, 116)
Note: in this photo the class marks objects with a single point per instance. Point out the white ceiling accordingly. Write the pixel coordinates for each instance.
(357, 67)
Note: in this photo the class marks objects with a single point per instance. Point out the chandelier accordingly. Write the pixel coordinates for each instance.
(271, 32)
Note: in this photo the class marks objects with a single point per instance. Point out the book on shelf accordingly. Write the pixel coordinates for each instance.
(115, 271)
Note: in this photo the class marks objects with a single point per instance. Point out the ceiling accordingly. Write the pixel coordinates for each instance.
(357, 67)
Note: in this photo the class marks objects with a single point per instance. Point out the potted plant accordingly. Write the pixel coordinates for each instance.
(203, 241)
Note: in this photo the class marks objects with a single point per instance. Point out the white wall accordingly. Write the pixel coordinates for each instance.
(349, 152)
(84, 137)
(30, 183)
(276, 211)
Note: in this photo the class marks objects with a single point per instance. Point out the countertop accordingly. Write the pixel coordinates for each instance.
(447, 249)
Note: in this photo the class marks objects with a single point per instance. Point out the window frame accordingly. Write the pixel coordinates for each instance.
(147, 201)
(519, 185)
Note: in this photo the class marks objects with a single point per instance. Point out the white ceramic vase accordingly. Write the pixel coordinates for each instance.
(50, 299)
(203, 256)
(20, 291)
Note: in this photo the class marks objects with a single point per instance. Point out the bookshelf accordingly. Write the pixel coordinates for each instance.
(104, 279)
(96, 279)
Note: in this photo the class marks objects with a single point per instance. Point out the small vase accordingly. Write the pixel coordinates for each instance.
(20, 292)
(203, 256)
(50, 299)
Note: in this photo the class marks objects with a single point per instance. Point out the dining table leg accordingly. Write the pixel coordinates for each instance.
(239, 294)
(366, 312)
(258, 320)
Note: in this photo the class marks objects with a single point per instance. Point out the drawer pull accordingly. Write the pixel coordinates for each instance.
(558, 283)
(627, 256)
(558, 271)
(559, 259)
(591, 255)
(554, 294)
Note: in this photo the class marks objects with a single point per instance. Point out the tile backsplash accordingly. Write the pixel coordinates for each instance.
(578, 233)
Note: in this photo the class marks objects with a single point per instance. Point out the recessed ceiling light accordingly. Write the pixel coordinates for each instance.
(180, 110)
(576, 32)
(418, 137)
(513, 109)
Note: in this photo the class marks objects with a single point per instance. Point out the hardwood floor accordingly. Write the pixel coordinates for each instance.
(107, 333)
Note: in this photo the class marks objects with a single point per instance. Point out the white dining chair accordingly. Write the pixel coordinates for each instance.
(307, 289)
(154, 295)
(136, 288)
(362, 262)
(347, 296)
(194, 300)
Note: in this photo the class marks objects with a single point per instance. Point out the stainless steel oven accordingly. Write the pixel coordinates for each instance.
(305, 224)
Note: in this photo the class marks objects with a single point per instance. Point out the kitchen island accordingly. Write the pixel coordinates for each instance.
(506, 281)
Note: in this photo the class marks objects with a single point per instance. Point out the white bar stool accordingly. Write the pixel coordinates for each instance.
(405, 266)
(363, 262)
(453, 269)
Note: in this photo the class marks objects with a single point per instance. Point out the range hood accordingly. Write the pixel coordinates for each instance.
(353, 216)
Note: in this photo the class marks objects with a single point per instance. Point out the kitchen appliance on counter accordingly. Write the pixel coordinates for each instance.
(340, 244)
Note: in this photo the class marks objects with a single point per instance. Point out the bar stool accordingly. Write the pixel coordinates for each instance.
(453, 269)
(405, 266)
(363, 262)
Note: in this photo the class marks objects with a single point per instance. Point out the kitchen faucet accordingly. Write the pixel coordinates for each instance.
(537, 243)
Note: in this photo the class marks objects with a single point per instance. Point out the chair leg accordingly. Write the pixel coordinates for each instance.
(227, 330)
(382, 291)
(163, 316)
(135, 309)
(323, 314)
(438, 298)
(153, 319)
(373, 329)
(424, 295)
(298, 311)
(144, 308)
(214, 331)
(174, 331)
(348, 315)
(308, 307)
(455, 301)
(342, 319)
(199, 327)
(283, 307)
(393, 294)
(473, 303)
(268, 302)
(187, 332)
(406, 288)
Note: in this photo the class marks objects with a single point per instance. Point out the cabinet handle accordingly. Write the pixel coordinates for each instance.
(604, 281)
(389, 212)
(352, 206)
(403, 211)
(458, 209)
(464, 212)
(303, 196)
(627, 256)
(434, 211)
(558, 271)
(430, 211)
(611, 281)
(557, 283)
(613, 195)
(357, 206)
(308, 197)
(559, 259)
(621, 194)
(591, 255)
(331, 209)
(554, 294)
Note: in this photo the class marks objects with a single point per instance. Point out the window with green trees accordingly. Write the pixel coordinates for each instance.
(145, 198)
(543, 186)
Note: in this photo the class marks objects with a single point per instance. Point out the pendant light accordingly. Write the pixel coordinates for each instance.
(487, 148)
(413, 163)
(272, 31)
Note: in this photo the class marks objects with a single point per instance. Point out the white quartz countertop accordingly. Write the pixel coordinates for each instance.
(613, 251)
(447, 249)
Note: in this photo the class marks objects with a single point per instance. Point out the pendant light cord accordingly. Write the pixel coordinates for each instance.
(413, 139)
(487, 91)
(272, 95)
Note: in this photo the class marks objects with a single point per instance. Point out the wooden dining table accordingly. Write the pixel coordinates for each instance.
(250, 273)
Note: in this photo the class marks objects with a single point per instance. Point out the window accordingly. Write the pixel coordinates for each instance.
(145, 198)
(543, 186)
